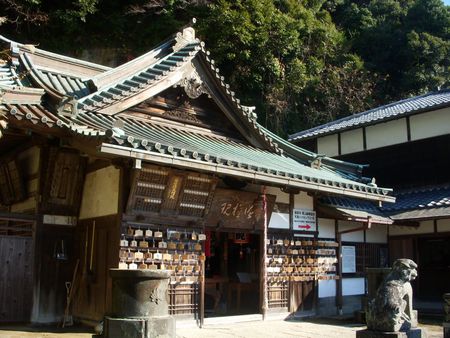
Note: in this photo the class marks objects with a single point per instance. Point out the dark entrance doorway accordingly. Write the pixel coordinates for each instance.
(434, 268)
(16, 266)
(232, 272)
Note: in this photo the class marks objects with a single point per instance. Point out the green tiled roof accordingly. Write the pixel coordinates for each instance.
(266, 158)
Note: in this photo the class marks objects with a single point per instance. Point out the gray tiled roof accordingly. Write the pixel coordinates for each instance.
(350, 203)
(421, 198)
(414, 203)
(8, 76)
(408, 106)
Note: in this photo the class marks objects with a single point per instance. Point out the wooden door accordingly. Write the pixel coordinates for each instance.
(16, 278)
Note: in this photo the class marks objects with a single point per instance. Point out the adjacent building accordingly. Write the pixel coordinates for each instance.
(406, 145)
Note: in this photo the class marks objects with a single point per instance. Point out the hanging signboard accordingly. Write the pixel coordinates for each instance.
(238, 209)
(348, 259)
(304, 220)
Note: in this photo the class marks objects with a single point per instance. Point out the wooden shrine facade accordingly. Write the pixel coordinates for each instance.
(154, 164)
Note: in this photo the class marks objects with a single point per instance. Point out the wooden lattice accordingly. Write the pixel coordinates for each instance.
(278, 293)
(149, 189)
(183, 298)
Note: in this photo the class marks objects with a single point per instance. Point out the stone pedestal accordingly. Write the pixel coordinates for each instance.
(151, 327)
(446, 328)
(446, 324)
(413, 333)
(139, 305)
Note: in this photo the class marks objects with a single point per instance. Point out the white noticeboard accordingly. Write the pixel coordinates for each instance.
(348, 259)
(304, 219)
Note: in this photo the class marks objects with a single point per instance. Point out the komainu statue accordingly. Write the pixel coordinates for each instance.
(391, 310)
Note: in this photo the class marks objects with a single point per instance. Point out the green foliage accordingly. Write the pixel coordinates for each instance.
(301, 62)
(406, 41)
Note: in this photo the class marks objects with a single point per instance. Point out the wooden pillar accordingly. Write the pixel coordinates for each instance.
(265, 300)
(339, 298)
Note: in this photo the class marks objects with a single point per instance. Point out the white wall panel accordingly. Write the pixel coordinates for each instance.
(326, 228)
(377, 234)
(443, 225)
(100, 193)
(425, 227)
(385, 134)
(303, 201)
(279, 220)
(353, 286)
(282, 197)
(352, 141)
(430, 124)
(328, 145)
(327, 288)
(357, 236)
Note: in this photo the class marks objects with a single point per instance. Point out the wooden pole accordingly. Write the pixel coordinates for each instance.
(70, 293)
(202, 293)
(91, 261)
(265, 304)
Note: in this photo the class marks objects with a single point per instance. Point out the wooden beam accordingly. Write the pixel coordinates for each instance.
(10, 216)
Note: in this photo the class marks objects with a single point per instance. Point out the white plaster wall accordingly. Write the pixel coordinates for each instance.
(327, 288)
(279, 220)
(100, 193)
(443, 225)
(385, 134)
(29, 160)
(303, 201)
(328, 145)
(282, 197)
(356, 236)
(352, 141)
(353, 286)
(430, 124)
(377, 234)
(425, 227)
(326, 228)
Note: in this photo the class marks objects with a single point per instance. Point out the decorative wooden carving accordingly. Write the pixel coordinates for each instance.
(238, 209)
(63, 182)
(12, 189)
(193, 85)
(183, 112)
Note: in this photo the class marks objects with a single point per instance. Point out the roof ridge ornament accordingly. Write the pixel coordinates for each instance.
(68, 107)
(186, 36)
(193, 85)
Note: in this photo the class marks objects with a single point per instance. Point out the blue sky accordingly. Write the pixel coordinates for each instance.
(447, 2)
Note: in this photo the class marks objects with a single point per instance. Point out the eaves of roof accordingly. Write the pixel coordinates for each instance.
(420, 198)
(58, 62)
(227, 165)
(414, 105)
(271, 159)
(127, 90)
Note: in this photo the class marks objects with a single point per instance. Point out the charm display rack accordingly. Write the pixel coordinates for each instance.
(301, 259)
(180, 251)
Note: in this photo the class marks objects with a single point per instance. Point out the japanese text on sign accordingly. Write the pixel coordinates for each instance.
(304, 219)
(237, 209)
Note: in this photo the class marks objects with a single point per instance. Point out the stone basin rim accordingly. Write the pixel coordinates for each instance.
(144, 274)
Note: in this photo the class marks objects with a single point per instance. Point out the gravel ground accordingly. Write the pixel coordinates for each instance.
(324, 328)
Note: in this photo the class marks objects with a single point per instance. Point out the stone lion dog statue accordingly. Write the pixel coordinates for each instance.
(391, 310)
